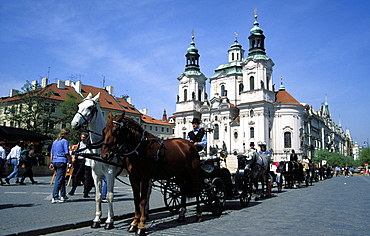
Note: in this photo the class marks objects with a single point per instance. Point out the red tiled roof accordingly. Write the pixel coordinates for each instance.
(284, 97)
(150, 120)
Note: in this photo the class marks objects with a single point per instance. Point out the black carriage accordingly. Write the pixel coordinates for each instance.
(217, 186)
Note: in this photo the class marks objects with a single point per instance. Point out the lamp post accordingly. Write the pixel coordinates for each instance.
(286, 151)
(208, 128)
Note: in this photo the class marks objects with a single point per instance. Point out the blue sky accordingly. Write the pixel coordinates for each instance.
(321, 48)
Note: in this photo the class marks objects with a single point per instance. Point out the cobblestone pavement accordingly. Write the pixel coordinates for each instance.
(337, 206)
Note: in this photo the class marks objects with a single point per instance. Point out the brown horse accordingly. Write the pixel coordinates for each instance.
(148, 157)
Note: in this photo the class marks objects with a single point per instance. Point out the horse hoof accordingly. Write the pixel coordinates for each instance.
(198, 219)
(109, 226)
(141, 232)
(181, 219)
(95, 225)
(132, 228)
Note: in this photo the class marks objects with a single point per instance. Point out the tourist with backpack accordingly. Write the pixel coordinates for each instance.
(26, 157)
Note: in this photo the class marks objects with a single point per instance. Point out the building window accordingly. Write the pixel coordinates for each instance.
(185, 95)
(150, 127)
(200, 95)
(287, 140)
(232, 56)
(162, 129)
(235, 135)
(184, 135)
(223, 90)
(251, 132)
(241, 88)
(216, 134)
(184, 120)
(251, 113)
(251, 83)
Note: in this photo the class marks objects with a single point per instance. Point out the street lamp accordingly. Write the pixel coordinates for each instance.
(286, 151)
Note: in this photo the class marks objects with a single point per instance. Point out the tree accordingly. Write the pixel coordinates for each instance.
(68, 109)
(333, 158)
(30, 109)
(364, 156)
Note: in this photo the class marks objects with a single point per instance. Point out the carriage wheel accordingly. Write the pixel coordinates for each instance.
(246, 195)
(217, 196)
(172, 196)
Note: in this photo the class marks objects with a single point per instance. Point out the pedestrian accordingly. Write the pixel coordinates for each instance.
(351, 171)
(59, 158)
(346, 172)
(27, 164)
(197, 136)
(89, 182)
(337, 170)
(293, 156)
(13, 157)
(2, 161)
(78, 162)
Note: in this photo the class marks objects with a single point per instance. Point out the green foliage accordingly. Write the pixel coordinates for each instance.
(32, 110)
(364, 156)
(333, 158)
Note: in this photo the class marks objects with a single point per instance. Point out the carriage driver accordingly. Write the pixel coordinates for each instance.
(266, 154)
(197, 136)
(251, 152)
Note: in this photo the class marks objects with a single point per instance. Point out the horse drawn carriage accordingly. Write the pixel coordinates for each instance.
(216, 183)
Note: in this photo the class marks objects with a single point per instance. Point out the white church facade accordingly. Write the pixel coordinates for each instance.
(243, 106)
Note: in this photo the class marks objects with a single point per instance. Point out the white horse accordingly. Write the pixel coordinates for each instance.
(89, 112)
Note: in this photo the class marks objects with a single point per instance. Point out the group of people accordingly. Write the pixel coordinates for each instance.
(19, 156)
(61, 158)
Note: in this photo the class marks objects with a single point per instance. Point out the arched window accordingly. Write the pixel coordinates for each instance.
(287, 140)
(251, 132)
(251, 83)
(185, 95)
(200, 94)
(216, 134)
(241, 88)
(268, 83)
(223, 90)
(251, 113)
(232, 56)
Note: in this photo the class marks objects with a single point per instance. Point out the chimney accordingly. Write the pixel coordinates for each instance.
(110, 90)
(13, 92)
(68, 82)
(144, 111)
(34, 84)
(77, 86)
(44, 82)
(129, 100)
(60, 84)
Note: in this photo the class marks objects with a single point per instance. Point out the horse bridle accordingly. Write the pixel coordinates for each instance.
(92, 145)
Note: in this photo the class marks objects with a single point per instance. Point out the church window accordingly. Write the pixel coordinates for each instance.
(251, 113)
(200, 94)
(251, 83)
(267, 82)
(251, 132)
(216, 134)
(287, 140)
(237, 56)
(241, 88)
(185, 95)
(235, 135)
(184, 135)
(232, 56)
(184, 120)
(223, 90)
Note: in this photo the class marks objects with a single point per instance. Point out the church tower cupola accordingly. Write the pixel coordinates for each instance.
(192, 57)
(236, 52)
(256, 39)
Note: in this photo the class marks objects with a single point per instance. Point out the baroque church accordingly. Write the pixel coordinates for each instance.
(244, 107)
